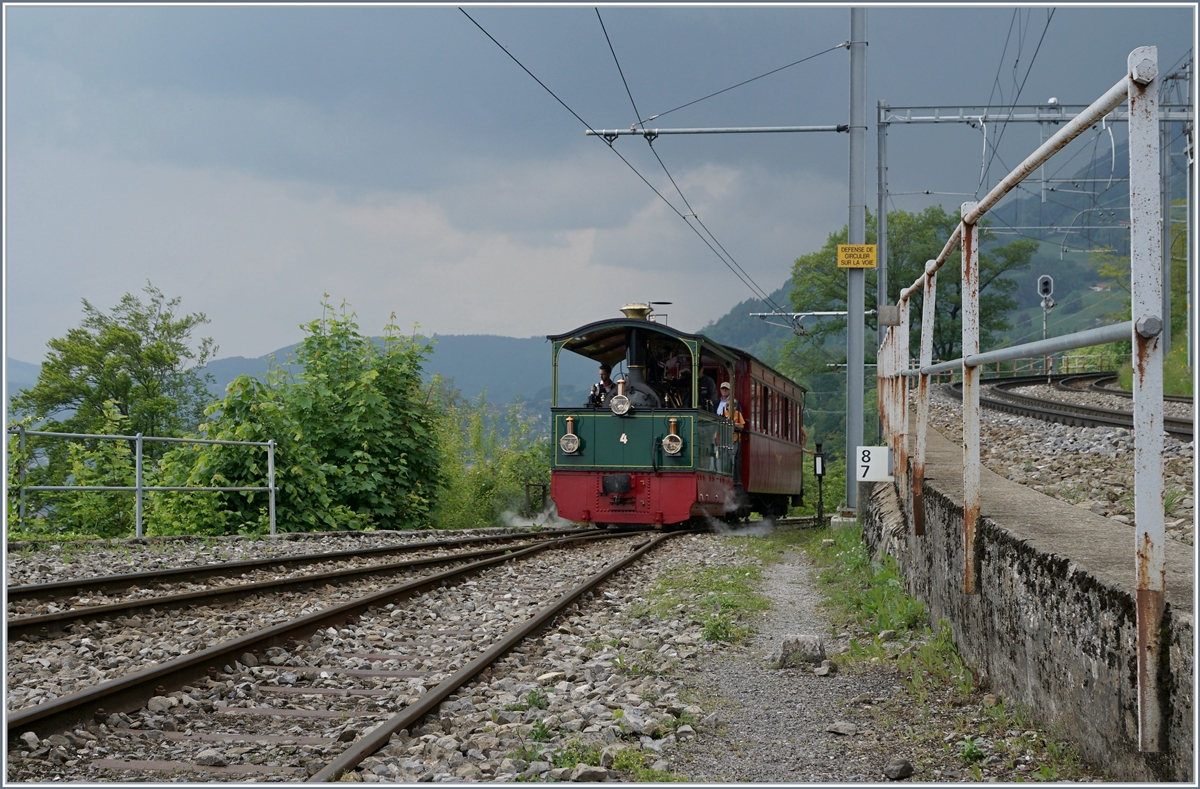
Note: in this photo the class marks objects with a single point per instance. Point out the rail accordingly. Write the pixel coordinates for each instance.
(1139, 86)
(139, 487)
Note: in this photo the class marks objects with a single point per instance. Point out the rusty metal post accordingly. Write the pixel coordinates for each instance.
(137, 518)
(928, 304)
(970, 402)
(1146, 286)
(901, 379)
(884, 366)
(21, 473)
(883, 387)
(271, 482)
(880, 398)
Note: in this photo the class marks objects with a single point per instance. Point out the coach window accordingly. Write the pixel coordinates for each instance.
(764, 417)
(787, 413)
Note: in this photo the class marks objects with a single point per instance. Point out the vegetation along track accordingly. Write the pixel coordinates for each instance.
(325, 690)
(66, 606)
(1102, 383)
(997, 394)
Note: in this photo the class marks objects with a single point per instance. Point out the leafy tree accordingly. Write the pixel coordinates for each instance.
(913, 238)
(251, 411)
(139, 357)
(101, 463)
(133, 369)
(363, 407)
(356, 445)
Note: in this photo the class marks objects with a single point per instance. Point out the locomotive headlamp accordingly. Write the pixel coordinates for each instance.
(569, 443)
(672, 443)
(619, 403)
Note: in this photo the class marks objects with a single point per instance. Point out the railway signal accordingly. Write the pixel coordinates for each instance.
(1045, 290)
(1045, 286)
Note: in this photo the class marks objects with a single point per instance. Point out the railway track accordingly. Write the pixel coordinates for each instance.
(113, 585)
(87, 605)
(114, 640)
(319, 692)
(996, 395)
(1100, 383)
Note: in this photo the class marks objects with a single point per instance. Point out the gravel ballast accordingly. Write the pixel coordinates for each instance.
(1090, 467)
(616, 690)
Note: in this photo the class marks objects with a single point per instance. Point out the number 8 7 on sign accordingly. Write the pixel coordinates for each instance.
(873, 464)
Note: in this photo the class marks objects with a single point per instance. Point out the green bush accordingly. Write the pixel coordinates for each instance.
(1177, 376)
(834, 485)
(356, 444)
(486, 460)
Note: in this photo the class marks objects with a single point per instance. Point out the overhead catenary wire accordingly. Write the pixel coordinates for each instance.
(843, 45)
(753, 287)
(1017, 97)
(763, 295)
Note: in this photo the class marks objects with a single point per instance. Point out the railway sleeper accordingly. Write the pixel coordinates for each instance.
(356, 703)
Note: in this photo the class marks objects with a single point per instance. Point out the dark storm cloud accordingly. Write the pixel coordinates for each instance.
(396, 153)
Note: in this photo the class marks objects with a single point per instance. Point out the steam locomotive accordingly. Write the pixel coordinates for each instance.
(655, 451)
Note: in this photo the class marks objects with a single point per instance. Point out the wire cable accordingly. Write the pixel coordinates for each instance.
(1017, 97)
(753, 287)
(762, 295)
(1000, 65)
(843, 45)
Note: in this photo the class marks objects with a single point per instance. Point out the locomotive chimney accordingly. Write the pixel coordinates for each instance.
(640, 311)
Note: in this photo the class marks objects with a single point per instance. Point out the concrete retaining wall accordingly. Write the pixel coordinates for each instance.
(1054, 626)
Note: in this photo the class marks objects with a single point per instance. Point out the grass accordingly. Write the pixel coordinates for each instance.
(541, 732)
(716, 596)
(721, 599)
(869, 594)
(632, 762)
(576, 752)
(1177, 376)
(1172, 498)
(970, 752)
(937, 682)
(536, 700)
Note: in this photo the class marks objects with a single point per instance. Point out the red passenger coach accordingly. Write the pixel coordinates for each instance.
(772, 461)
(656, 444)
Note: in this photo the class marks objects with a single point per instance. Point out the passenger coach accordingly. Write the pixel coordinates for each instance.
(654, 451)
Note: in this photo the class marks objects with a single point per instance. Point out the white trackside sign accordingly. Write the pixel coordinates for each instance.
(872, 464)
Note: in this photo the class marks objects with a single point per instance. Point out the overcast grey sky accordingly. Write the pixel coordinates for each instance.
(252, 159)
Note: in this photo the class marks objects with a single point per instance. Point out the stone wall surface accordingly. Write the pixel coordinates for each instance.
(1054, 624)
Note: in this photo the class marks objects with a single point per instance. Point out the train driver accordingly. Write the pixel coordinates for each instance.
(601, 390)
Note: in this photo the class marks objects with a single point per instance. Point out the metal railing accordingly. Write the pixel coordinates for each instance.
(1140, 87)
(1025, 366)
(138, 488)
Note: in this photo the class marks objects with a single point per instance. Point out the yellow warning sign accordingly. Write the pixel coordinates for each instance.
(856, 256)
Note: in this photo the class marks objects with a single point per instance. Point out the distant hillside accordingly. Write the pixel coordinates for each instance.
(21, 375)
(506, 367)
(737, 329)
